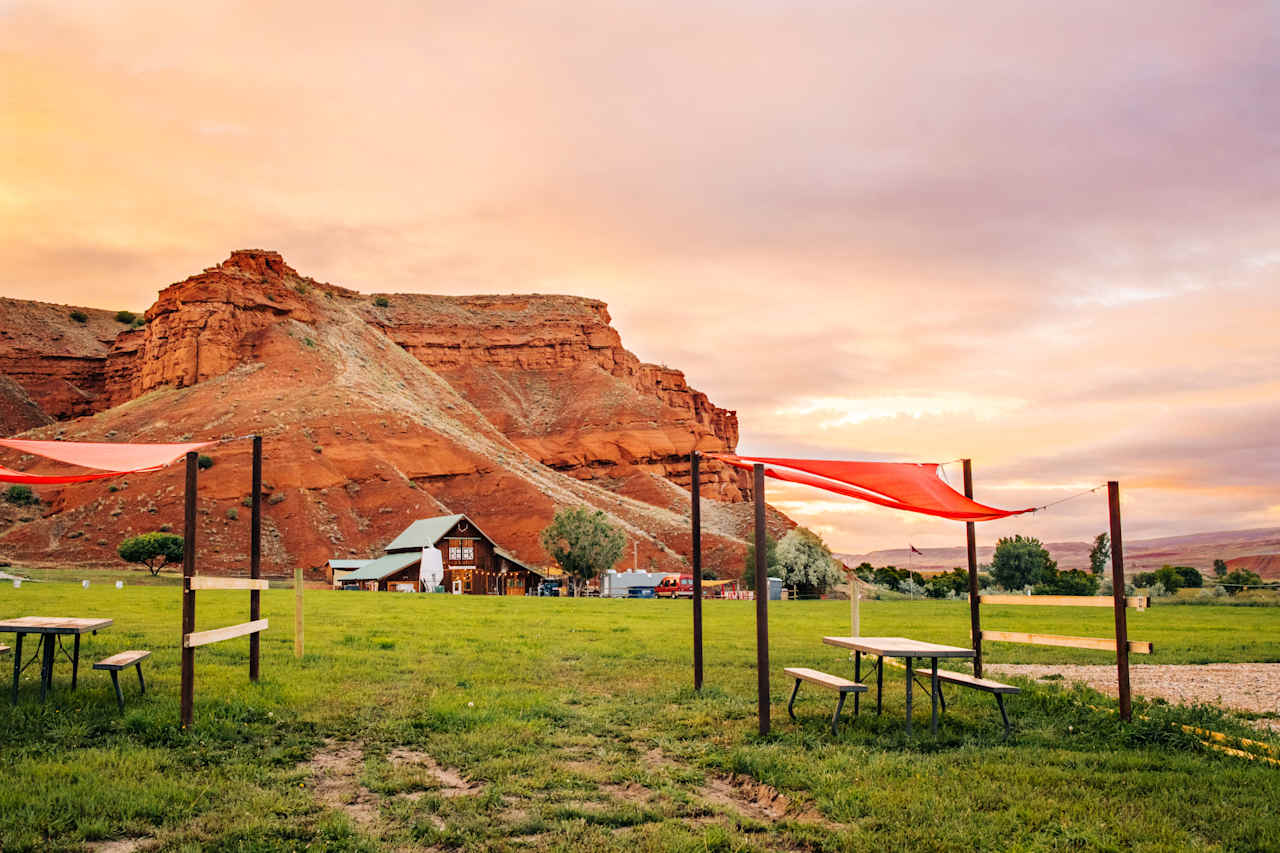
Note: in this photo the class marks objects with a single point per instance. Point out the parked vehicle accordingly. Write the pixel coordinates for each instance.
(675, 586)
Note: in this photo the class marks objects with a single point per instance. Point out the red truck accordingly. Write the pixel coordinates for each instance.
(675, 586)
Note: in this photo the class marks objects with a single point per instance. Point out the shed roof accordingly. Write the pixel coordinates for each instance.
(512, 558)
(347, 564)
(376, 570)
(426, 532)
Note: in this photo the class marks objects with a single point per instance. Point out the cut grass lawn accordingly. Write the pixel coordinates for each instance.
(522, 723)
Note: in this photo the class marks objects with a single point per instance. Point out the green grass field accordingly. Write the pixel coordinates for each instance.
(575, 726)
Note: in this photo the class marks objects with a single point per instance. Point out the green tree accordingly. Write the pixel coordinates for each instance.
(152, 550)
(806, 563)
(1100, 553)
(21, 496)
(1069, 582)
(1020, 562)
(941, 585)
(1239, 578)
(583, 543)
(749, 563)
(1220, 568)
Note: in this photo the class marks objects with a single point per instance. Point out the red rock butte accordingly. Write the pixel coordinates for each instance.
(375, 410)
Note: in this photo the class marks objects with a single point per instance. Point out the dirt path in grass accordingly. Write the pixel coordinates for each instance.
(1249, 687)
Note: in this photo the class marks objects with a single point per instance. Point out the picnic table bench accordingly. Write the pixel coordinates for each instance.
(986, 685)
(842, 686)
(123, 660)
(50, 630)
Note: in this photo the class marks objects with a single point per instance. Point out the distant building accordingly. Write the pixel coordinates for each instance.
(336, 571)
(619, 584)
(469, 562)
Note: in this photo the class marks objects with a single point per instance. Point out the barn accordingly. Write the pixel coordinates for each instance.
(470, 562)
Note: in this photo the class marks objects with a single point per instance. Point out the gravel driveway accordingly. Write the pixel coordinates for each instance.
(1251, 687)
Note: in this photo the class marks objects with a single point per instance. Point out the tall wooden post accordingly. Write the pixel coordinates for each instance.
(695, 516)
(762, 601)
(297, 612)
(188, 594)
(975, 619)
(255, 555)
(1118, 597)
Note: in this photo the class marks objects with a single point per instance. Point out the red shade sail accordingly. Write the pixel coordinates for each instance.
(908, 486)
(110, 457)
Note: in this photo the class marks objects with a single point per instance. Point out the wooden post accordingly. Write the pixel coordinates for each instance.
(975, 619)
(855, 603)
(255, 555)
(695, 516)
(762, 601)
(188, 594)
(1118, 596)
(297, 612)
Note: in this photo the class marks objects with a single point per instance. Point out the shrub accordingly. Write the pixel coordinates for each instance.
(233, 514)
(276, 497)
(126, 317)
(1020, 562)
(381, 301)
(152, 550)
(309, 342)
(204, 463)
(79, 316)
(21, 496)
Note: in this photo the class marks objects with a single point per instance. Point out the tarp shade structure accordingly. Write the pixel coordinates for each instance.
(110, 457)
(908, 486)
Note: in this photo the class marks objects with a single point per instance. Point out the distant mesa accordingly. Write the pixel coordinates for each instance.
(501, 407)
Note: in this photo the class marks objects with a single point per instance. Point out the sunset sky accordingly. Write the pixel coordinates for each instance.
(1042, 235)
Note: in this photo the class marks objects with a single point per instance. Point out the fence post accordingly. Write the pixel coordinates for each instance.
(695, 517)
(1118, 597)
(255, 555)
(762, 601)
(975, 618)
(297, 613)
(188, 594)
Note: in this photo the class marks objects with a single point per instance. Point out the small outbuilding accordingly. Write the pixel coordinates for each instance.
(338, 570)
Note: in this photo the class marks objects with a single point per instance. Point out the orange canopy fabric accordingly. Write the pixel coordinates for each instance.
(908, 486)
(111, 457)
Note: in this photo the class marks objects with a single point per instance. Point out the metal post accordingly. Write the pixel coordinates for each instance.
(696, 519)
(297, 613)
(188, 594)
(975, 619)
(1118, 597)
(762, 601)
(255, 555)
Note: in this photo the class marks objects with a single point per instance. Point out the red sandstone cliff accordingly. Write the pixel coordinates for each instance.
(501, 407)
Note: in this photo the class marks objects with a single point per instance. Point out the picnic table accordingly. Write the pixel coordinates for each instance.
(50, 629)
(898, 647)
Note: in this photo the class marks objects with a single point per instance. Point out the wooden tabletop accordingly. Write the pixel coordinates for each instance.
(52, 625)
(898, 647)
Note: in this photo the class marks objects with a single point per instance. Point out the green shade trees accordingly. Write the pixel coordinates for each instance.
(1100, 553)
(806, 563)
(152, 550)
(1021, 562)
(583, 543)
(749, 562)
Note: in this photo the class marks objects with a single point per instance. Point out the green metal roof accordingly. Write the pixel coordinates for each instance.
(378, 569)
(507, 555)
(426, 532)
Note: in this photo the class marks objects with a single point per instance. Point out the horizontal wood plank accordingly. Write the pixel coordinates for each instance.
(1141, 602)
(227, 583)
(120, 660)
(1102, 644)
(969, 681)
(217, 635)
(4, 650)
(832, 682)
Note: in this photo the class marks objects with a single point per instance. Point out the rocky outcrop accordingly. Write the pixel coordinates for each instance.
(57, 354)
(18, 412)
(374, 411)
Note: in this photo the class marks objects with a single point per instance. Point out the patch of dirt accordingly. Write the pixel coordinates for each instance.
(335, 772)
(119, 845)
(452, 782)
(1251, 687)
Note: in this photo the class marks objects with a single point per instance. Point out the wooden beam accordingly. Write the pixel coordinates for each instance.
(695, 519)
(1117, 589)
(1101, 644)
(217, 635)
(762, 599)
(971, 548)
(1141, 602)
(226, 583)
(297, 612)
(255, 552)
(188, 668)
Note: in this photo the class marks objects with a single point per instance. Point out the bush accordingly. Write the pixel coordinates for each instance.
(1070, 582)
(1020, 562)
(79, 316)
(233, 514)
(126, 317)
(21, 496)
(152, 550)
(381, 301)
(204, 463)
